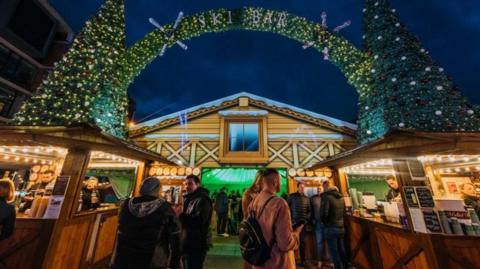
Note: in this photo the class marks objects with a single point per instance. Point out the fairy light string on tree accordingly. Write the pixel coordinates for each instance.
(410, 91)
(322, 39)
(398, 84)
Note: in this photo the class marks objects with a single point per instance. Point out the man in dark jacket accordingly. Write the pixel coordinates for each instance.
(316, 202)
(299, 205)
(332, 209)
(221, 207)
(195, 218)
(148, 231)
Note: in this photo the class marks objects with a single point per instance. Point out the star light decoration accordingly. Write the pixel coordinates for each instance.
(321, 38)
(170, 33)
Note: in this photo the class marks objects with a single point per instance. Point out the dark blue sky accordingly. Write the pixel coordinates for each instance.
(217, 65)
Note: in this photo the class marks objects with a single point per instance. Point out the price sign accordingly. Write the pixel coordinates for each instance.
(410, 196)
(425, 198)
(432, 221)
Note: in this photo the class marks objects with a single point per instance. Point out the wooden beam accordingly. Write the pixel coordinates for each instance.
(296, 162)
(193, 154)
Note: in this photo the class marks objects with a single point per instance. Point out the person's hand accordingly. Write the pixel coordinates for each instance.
(298, 229)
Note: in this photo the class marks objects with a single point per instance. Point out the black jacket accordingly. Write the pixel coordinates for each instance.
(392, 194)
(221, 203)
(7, 219)
(332, 208)
(299, 207)
(195, 218)
(148, 229)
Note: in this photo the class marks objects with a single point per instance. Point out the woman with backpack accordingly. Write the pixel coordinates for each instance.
(248, 196)
(267, 237)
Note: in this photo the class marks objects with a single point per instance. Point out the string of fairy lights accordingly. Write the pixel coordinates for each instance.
(398, 83)
(32, 154)
(444, 164)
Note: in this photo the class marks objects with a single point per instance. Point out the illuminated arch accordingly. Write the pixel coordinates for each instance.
(354, 63)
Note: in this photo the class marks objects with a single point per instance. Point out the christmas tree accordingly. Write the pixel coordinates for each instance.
(85, 86)
(409, 90)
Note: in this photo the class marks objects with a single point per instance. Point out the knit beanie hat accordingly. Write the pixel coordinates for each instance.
(150, 186)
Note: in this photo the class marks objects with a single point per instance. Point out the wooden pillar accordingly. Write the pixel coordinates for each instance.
(340, 179)
(142, 170)
(74, 166)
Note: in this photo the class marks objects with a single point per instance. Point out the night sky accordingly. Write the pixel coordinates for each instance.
(217, 65)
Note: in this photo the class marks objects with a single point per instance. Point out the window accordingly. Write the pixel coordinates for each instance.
(243, 140)
(243, 136)
(9, 102)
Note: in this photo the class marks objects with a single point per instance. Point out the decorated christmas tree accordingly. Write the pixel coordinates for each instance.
(409, 90)
(85, 86)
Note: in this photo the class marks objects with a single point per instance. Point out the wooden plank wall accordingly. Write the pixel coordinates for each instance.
(277, 125)
(27, 246)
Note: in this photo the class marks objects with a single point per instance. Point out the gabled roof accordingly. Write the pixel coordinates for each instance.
(254, 100)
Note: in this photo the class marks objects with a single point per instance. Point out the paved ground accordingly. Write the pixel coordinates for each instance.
(225, 254)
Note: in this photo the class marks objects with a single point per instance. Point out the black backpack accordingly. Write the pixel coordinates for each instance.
(253, 246)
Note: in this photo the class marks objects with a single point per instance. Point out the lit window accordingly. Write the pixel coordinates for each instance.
(243, 137)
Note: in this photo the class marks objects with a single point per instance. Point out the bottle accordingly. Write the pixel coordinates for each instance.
(469, 230)
(80, 202)
(473, 215)
(444, 222)
(456, 226)
(476, 228)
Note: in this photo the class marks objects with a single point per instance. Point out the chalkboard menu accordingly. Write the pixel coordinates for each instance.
(424, 195)
(411, 196)
(60, 186)
(432, 221)
(416, 170)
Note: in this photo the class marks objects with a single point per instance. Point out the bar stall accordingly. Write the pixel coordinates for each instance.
(69, 182)
(412, 200)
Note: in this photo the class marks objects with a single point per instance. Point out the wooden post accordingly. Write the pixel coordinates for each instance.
(340, 180)
(141, 172)
(75, 166)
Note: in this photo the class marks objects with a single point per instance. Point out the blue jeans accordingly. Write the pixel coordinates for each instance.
(319, 239)
(336, 246)
(302, 246)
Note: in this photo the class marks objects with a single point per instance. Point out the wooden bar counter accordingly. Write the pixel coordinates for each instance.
(376, 244)
(415, 162)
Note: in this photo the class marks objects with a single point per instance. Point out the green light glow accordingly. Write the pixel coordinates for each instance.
(234, 178)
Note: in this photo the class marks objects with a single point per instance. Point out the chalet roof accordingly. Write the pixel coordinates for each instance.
(254, 100)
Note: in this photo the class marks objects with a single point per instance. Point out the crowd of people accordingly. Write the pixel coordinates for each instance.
(153, 233)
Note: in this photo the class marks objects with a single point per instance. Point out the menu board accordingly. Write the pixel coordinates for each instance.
(432, 221)
(416, 170)
(410, 196)
(60, 186)
(56, 200)
(424, 195)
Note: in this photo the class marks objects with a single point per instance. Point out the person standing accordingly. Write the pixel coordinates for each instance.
(275, 223)
(221, 208)
(394, 191)
(247, 197)
(470, 197)
(195, 218)
(7, 211)
(316, 201)
(299, 205)
(148, 231)
(332, 210)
